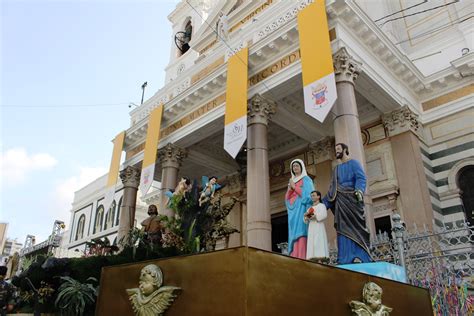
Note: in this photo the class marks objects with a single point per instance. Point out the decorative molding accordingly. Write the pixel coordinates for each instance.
(346, 68)
(185, 84)
(448, 97)
(280, 20)
(171, 156)
(323, 149)
(234, 49)
(130, 177)
(180, 69)
(400, 121)
(260, 110)
(373, 133)
(274, 68)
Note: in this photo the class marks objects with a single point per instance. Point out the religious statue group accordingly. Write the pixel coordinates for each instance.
(307, 211)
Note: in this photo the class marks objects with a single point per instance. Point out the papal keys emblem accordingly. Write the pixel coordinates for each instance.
(319, 94)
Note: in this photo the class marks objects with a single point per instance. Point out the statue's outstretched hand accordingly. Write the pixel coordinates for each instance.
(359, 196)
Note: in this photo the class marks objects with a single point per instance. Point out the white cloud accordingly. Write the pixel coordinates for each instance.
(63, 194)
(16, 164)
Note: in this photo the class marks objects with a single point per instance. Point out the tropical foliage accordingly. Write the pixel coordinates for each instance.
(75, 298)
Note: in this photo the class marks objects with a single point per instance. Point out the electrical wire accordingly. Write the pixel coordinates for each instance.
(223, 40)
(243, 62)
(440, 28)
(419, 12)
(400, 11)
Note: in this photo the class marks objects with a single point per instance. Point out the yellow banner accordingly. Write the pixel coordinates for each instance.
(315, 45)
(115, 163)
(152, 136)
(319, 84)
(235, 129)
(236, 94)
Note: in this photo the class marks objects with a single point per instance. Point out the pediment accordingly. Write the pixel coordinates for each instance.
(206, 32)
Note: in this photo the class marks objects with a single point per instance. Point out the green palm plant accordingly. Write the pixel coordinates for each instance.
(74, 297)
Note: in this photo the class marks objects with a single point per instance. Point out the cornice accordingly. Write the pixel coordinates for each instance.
(363, 28)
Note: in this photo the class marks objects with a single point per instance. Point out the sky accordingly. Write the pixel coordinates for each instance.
(69, 69)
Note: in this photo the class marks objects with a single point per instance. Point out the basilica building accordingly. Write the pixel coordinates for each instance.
(404, 79)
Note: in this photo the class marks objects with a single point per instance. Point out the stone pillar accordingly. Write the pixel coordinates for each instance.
(170, 157)
(346, 116)
(404, 130)
(323, 156)
(259, 226)
(130, 177)
(346, 120)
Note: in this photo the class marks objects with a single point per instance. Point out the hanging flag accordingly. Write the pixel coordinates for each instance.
(114, 170)
(319, 84)
(151, 145)
(235, 130)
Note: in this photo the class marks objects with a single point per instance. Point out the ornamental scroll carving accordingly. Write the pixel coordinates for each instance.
(346, 68)
(323, 150)
(401, 120)
(130, 177)
(260, 110)
(171, 155)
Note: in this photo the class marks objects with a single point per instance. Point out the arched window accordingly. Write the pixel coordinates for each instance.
(118, 211)
(80, 227)
(183, 38)
(466, 187)
(99, 217)
(110, 216)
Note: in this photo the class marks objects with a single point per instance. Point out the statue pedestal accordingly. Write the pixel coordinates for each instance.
(248, 281)
(379, 269)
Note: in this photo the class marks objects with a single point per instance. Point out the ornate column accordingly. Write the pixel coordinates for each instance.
(259, 227)
(170, 157)
(404, 130)
(130, 177)
(346, 121)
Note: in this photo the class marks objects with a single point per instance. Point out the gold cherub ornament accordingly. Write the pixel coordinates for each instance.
(150, 298)
(372, 302)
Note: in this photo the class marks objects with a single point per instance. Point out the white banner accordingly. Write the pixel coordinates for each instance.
(109, 197)
(146, 178)
(235, 134)
(320, 96)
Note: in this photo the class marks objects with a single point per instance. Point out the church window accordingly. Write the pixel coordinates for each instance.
(80, 227)
(99, 217)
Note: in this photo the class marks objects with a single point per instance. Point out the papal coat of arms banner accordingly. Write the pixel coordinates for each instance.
(114, 170)
(235, 130)
(151, 145)
(319, 85)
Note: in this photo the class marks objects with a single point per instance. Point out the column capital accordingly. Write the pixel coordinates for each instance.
(401, 120)
(260, 110)
(130, 177)
(171, 155)
(346, 68)
(323, 149)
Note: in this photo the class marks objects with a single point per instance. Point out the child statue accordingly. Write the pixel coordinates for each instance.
(317, 246)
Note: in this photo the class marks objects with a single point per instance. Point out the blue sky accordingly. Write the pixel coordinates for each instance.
(57, 58)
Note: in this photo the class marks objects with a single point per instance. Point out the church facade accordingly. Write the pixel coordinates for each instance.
(405, 108)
